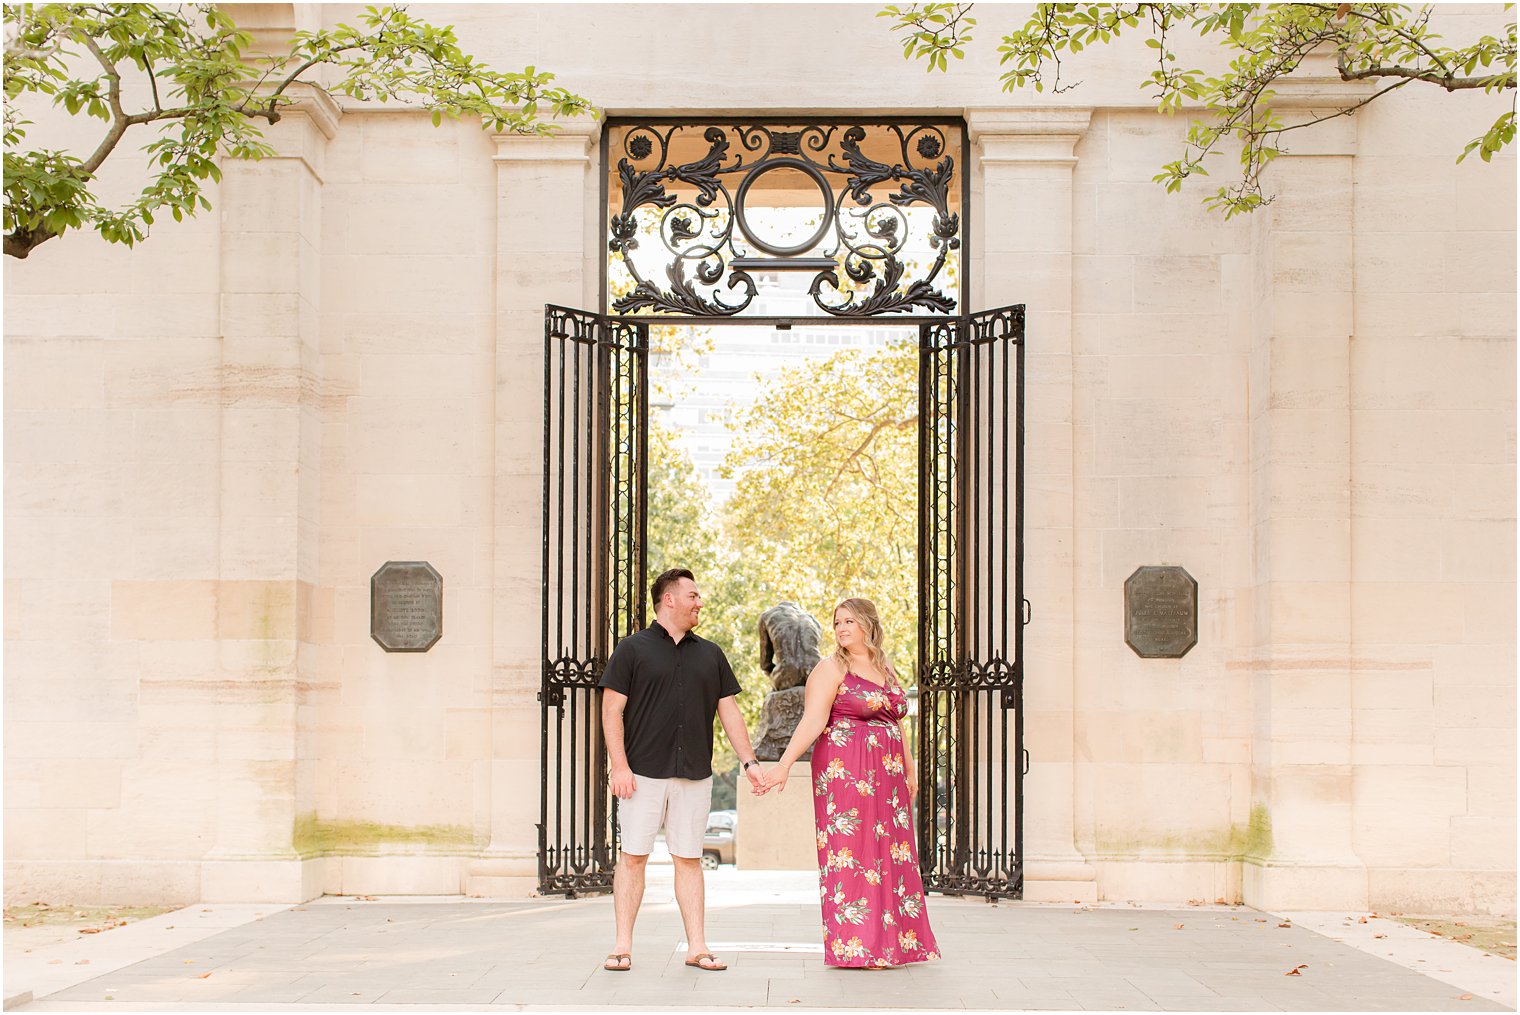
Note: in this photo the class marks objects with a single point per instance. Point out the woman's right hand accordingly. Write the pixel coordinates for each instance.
(775, 777)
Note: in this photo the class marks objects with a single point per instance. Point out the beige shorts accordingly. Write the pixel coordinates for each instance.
(681, 805)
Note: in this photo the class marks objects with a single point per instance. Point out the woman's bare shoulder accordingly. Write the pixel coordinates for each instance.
(828, 672)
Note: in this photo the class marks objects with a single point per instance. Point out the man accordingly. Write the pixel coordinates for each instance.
(661, 689)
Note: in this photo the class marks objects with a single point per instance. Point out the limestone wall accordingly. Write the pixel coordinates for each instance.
(213, 441)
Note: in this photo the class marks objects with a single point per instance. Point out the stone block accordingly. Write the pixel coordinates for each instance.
(1139, 737)
(1103, 284)
(399, 875)
(1413, 889)
(408, 218)
(1483, 843)
(1383, 267)
(44, 833)
(777, 831)
(1311, 262)
(1383, 488)
(1478, 551)
(1275, 887)
(1470, 706)
(1403, 813)
(1178, 285)
(1491, 789)
(1472, 746)
(273, 881)
(1399, 613)
(1172, 881)
(1400, 201)
(163, 611)
(1480, 262)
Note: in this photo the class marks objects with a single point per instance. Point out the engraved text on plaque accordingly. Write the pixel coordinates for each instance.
(406, 606)
(1160, 612)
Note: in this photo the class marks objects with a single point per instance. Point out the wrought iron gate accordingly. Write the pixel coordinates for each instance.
(972, 609)
(595, 470)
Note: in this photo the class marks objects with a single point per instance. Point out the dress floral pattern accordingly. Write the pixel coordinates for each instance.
(873, 896)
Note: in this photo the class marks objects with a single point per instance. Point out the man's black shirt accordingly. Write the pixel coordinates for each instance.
(673, 691)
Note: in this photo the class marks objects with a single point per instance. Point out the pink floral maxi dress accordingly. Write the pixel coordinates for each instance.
(873, 896)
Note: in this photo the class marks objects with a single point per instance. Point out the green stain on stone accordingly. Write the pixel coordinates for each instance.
(1258, 844)
(313, 836)
(1234, 842)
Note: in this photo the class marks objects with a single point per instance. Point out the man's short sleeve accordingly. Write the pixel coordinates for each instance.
(728, 684)
(618, 674)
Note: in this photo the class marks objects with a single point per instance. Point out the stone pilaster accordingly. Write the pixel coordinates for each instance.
(1300, 851)
(270, 446)
(546, 216)
(1022, 245)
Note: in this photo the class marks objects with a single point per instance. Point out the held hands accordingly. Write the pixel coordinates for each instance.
(775, 778)
(757, 784)
(912, 774)
(622, 781)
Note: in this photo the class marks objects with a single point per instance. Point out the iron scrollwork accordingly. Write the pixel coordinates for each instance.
(869, 176)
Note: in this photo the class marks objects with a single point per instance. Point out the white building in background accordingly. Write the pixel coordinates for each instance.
(213, 442)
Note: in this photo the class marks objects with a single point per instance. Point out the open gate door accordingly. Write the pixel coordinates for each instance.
(595, 477)
(971, 604)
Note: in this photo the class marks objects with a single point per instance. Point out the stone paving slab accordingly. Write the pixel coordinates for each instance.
(449, 954)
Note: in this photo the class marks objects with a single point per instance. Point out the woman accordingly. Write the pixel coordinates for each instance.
(863, 784)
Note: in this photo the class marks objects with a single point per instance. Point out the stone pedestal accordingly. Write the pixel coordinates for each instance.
(776, 830)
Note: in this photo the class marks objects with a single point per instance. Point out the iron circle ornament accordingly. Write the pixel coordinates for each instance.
(814, 174)
(682, 237)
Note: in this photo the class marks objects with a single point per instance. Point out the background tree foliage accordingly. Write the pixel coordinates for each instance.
(827, 498)
(189, 70)
(1392, 45)
(825, 507)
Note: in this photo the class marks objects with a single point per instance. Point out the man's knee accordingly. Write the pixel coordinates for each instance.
(633, 861)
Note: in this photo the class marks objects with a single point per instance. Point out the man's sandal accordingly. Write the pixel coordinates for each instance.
(618, 962)
(711, 965)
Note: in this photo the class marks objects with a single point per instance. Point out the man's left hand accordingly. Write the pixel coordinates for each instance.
(757, 784)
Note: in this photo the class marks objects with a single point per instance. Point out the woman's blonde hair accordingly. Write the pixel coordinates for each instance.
(864, 612)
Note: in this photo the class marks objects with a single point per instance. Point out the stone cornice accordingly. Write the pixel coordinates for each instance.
(316, 105)
(571, 142)
(1025, 134)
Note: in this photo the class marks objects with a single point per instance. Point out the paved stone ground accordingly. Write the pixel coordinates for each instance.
(339, 954)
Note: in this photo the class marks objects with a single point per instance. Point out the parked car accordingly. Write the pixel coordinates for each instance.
(718, 843)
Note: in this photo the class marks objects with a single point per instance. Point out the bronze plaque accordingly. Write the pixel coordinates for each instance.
(406, 606)
(1160, 612)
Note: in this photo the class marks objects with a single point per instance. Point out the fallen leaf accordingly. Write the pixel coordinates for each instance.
(89, 930)
(1285, 925)
(82, 962)
(1362, 920)
(205, 911)
(1295, 970)
(202, 976)
(1219, 902)
(1380, 935)
(1464, 997)
(1459, 923)
(1261, 919)
(170, 927)
(1177, 927)
(1134, 928)
(54, 962)
(795, 1000)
